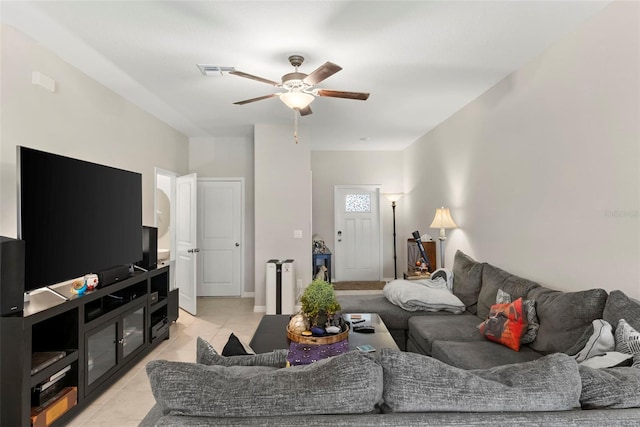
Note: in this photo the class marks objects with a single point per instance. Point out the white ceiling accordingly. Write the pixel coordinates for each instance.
(420, 60)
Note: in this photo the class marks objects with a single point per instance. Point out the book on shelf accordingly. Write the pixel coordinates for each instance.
(42, 359)
(53, 379)
(44, 415)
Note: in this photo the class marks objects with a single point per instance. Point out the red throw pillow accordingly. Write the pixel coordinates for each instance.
(506, 324)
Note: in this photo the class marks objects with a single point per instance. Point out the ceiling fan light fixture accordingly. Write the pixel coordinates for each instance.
(297, 100)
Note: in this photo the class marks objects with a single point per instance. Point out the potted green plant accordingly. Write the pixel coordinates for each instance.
(319, 302)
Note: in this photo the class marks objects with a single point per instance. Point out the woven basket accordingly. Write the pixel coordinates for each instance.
(329, 339)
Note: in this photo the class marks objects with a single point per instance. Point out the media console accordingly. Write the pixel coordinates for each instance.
(81, 345)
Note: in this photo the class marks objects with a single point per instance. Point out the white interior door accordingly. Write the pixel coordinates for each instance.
(220, 219)
(186, 241)
(358, 254)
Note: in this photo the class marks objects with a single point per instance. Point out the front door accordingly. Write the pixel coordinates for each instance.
(358, 254)
(220, 237)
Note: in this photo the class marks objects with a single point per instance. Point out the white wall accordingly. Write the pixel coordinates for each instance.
(226, 157)
(331, 168)
(81, 119)
(541, 171)
(282, 202)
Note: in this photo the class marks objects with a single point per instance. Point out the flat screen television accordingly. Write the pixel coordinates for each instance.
(75, 217)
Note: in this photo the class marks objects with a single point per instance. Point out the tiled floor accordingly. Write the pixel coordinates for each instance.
(129, 399)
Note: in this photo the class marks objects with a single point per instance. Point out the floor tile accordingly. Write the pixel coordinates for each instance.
(129, 399)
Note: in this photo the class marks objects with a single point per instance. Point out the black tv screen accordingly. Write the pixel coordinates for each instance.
(75, 217)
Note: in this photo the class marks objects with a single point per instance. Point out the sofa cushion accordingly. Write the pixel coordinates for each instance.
(417, 383)
(480, 355)
(610, 388)
(494, 278)
(207, 355)
(424, 331)
(506, 324)
(620, 306)
(564, 316)
(349, 383)
(467, 279)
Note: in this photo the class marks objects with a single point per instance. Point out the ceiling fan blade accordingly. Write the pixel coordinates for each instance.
(327, 69)
(260, 98)
(305, 111)
(340, 94)
(252, 77)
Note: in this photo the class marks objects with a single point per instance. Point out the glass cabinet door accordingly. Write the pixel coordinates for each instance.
(101, 352)
(133, 332)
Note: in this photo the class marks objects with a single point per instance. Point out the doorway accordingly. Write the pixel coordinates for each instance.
(358, 231)
(174, 229)
(220, 236)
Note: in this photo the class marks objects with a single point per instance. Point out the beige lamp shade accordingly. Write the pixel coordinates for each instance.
(443, 219)
(296, 100)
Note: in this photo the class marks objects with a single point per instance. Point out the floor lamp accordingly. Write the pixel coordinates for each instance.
(394, 197)
(442, 220)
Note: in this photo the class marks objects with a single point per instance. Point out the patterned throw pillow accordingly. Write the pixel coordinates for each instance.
(531, 331)
(627, 339)
(506, 324)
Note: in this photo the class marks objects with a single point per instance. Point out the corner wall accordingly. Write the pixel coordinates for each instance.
(282, 202)
(81, 119)
(541, 171)
(226, 157)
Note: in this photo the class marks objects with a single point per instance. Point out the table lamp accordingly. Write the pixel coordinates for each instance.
(442, 220)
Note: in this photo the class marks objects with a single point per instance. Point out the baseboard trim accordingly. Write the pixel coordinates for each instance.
(248, 294)
(259, 308)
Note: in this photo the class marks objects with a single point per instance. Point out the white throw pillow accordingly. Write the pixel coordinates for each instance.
(599, 343)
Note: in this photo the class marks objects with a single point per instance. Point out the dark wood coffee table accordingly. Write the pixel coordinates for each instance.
(271, 333)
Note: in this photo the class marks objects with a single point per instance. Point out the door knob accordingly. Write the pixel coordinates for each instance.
(237, 244)
(193, 251)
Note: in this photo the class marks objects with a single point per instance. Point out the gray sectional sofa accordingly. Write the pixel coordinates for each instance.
(451, 374)
(564, 317)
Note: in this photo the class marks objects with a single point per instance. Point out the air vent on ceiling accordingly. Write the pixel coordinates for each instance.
(214, 70)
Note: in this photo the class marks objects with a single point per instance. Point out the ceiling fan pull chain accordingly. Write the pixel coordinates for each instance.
(295, 125)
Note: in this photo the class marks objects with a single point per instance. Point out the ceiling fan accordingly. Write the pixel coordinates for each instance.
(299, 87)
